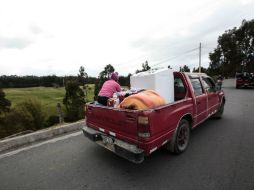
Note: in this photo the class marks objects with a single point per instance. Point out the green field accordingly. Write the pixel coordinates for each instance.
(48, 96)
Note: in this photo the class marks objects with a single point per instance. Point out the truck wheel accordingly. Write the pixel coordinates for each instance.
(219, 113)
(181, 138)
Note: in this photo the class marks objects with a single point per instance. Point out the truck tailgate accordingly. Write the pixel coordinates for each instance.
(119, 123)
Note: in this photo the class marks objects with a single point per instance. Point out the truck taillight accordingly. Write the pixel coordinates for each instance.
(143, 127)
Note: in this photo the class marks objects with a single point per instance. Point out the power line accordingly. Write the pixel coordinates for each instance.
(161, 61)
(174, 57)
(127, 63)
(130, 60)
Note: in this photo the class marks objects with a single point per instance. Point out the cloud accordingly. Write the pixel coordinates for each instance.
(170, 49)
(44, 39)
(35, 29)
(14, 43)
(19, 38)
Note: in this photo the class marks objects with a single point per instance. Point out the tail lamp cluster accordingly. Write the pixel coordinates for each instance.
(143, 127)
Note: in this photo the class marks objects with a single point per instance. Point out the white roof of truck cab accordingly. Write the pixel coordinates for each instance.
(196, 75)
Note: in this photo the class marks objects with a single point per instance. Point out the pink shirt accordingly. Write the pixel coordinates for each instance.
(109, 88)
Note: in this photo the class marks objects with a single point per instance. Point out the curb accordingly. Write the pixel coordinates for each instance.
(16, 142)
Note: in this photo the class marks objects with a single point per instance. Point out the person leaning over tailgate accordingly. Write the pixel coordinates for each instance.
(108, 89)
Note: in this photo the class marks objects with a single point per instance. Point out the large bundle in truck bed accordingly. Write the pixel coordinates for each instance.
(142, 100)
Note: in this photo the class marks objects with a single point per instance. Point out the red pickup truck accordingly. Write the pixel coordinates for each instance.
(134, 134)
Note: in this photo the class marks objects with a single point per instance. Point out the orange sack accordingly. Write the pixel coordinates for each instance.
(143, 100)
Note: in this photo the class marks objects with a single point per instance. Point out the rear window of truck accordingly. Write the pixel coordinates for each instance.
(179, 89)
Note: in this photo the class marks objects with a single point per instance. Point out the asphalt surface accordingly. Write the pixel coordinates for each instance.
(220, 156)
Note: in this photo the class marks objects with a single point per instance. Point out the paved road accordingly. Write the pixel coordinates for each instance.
(220, 156)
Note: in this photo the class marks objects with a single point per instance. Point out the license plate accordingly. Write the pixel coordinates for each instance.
(107, 140)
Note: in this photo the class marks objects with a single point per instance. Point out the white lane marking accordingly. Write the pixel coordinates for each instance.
(40, 144)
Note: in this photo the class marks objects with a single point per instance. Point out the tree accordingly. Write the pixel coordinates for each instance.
(108, 69)
(82, 76)
(234, 52)
(185, 69)
(145, 67)
(74, 101)
(124, 80)
(103, 76)
(5, 104)
(196, 70)
(14, 81)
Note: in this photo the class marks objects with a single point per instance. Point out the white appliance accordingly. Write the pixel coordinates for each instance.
(160, 80)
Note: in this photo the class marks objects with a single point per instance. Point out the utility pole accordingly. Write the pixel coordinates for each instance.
(199, 68)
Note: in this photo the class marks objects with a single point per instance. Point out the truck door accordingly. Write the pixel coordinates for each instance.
(200, 100)
(213, 97)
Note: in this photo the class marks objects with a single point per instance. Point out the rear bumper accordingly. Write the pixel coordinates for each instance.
(123, 149)
(244, 84)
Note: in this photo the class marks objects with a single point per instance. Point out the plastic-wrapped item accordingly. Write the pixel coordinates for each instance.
(143, 100)
(113, 102)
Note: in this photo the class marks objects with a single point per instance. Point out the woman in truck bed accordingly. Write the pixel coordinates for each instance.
(108, 89)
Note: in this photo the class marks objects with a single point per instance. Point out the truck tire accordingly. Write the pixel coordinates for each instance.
(219, 113)
(180, 139)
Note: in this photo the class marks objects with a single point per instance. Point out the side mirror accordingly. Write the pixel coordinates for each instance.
(217, 87)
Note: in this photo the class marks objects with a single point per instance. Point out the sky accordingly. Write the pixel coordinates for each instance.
(46, 37)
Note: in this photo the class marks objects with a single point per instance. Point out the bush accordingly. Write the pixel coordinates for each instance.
(52, 120)
(11, 124)
(5, 104)
(3, 132)
(27, 115)
(74, 101)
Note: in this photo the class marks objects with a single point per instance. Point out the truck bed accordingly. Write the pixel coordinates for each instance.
(123, 123)
(113, 121)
